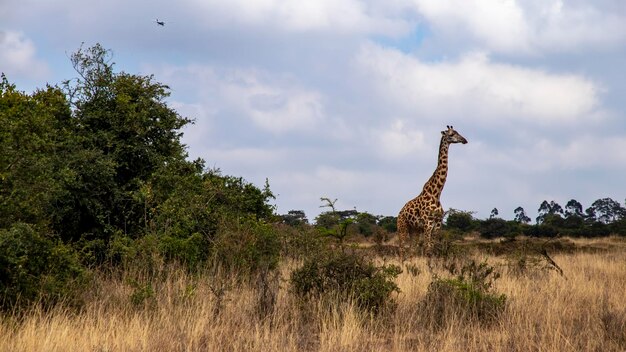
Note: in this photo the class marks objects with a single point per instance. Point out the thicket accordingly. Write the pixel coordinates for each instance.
(93, 172)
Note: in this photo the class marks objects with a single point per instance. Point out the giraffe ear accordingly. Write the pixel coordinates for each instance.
(443, 133)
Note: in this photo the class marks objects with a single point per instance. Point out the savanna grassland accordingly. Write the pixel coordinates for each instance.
(169, 309)
(112, 239)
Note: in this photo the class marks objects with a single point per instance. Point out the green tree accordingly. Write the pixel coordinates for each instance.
(573, 208)
(546, 208)
(460, 220)
(494, 213)
(493, 227)
(520, 216)
(607, 210)
(187, 209)
(32, 158)
(389, 223)
(99, 166)
(36, 267)
(102, 158)
(590, 215)
(574, 216)
(366, 223)
(294, 218)
(327, 219)
(334, 223)
(124, 133)
(554, 220)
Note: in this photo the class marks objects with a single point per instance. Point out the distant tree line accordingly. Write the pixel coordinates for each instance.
(361, 223)
(605, 216)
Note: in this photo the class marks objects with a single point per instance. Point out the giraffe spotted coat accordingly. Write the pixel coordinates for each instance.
(422, 215)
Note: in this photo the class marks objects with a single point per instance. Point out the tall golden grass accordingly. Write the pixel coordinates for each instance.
(585, 310)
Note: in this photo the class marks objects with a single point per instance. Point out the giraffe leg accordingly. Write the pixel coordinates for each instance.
(403, 233)
(436, 237)
(428, 240)
(428, 246)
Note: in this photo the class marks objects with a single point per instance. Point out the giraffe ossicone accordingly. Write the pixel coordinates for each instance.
(422, 215)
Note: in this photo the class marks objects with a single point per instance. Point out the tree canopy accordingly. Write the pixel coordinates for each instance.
(95, 169)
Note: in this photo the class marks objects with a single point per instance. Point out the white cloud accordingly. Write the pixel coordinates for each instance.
(562, 26)
(340, 16)
(195, 134)
(499, 23)
(534, 26)
(586, 152)
(253, 158)
(555, 160)
(476, 86)
(273, 102)
(18, 56)
(276, 106)
(398, 140)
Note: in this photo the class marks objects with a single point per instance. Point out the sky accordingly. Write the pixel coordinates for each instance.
(346, 99)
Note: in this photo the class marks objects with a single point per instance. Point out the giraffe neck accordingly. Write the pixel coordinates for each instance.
(435, 184)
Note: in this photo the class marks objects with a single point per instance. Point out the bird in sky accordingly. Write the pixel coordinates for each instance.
(160, 23)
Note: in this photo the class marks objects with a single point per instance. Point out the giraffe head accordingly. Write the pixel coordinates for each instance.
(452, 136)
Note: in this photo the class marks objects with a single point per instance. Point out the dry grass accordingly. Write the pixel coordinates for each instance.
(586, 311)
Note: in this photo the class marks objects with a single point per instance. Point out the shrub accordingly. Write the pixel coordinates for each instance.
(191, 250)
(144, 254)
(494, 227)
(247, 246)
(36, 268)
(461, 221)
(541, 231)
(444, 245)
(299, 242)
(347, 275)
(469, 295)
(142, 295)
(389, 223)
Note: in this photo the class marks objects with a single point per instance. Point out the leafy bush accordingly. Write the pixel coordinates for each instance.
(469, 295)
(366, 224)
(541, 231)
(299, 242)
(247, 246)
(191, 212)
(143, 294)
(191, 250)
(494, 227)
(446, 247)
(347, 275)
(389, 223)
(461, 221)
(36, 268)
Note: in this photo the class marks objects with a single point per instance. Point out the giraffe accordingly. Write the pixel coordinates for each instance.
(423, 214)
